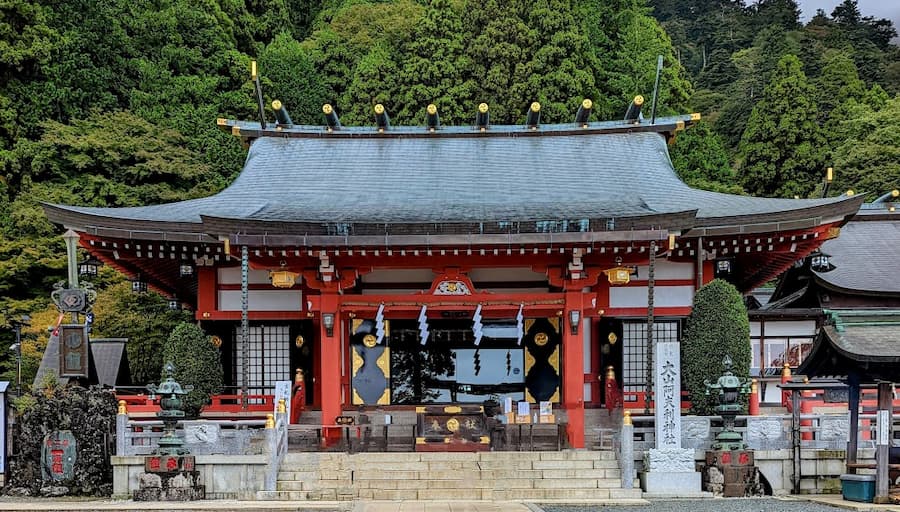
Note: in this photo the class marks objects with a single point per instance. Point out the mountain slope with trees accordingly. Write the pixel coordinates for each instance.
(114, 103)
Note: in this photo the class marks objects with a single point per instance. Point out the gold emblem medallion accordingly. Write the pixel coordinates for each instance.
(541, 339)
(369, 340)
(452, 424)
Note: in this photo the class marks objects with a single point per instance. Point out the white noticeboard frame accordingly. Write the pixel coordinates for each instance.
(884, 427)
(4, 385)
(283, 391)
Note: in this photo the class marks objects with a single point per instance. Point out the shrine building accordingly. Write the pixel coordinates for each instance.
(405, 266)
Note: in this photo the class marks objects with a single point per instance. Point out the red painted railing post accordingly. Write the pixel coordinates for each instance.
(753, 407)
(785, 394)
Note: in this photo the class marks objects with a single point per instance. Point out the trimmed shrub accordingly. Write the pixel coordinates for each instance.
(197, 363)
(718, 325)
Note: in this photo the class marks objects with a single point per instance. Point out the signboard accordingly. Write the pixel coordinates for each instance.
(73, 351)
(58, 454)
(169, 463)
(3, 387)
(283, 391)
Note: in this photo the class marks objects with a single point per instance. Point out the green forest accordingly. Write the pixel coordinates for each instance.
(114, 102)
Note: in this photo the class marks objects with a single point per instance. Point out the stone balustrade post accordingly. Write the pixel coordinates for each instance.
(626, 452)
(123, 433)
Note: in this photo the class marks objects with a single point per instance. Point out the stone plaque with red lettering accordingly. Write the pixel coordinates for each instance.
(58, 455)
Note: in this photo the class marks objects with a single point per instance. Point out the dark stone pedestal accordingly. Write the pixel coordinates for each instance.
(453, 428)
(731, 473)
(175, 486)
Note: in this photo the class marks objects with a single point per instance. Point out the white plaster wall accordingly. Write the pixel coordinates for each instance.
(232, 275)
(667, 270)
(262, 300)
(663, 296)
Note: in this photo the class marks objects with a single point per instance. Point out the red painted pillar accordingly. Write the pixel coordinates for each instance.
(753, 406)
(206, 292)
(329, 382)
(573, 368)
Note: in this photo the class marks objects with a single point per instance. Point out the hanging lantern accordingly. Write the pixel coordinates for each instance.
(186, 270)
(618, 275)
(138, 285)
(819, 262)
(89, 266)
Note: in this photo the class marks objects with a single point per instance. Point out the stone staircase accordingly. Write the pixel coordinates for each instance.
(528, 476)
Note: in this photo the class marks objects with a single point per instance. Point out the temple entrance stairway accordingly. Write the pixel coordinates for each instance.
(531, 476)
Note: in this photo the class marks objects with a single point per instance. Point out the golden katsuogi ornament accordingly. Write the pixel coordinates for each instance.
(369, 340)
(541, 339)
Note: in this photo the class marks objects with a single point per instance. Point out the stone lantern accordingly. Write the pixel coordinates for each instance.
(730, 469)
(729, 389)
(169, 473)
(170, 404)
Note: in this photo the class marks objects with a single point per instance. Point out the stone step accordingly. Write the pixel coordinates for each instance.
(293, 474)
(570, 474)
(394, 457)
(550, 494)
(304, 468)
(282, 495)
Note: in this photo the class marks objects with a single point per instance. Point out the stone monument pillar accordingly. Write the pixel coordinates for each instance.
(669, 469)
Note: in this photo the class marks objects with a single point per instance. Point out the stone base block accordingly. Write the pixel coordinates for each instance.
(676, 484)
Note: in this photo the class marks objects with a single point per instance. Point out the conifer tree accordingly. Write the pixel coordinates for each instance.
(701, 161)
(782, 145)
(560, 71)
(291, 78)
(717, 327)
(868, 158)
(197, 363)
(500, 57)
(435, 67)
(638, 41)
(839, 82)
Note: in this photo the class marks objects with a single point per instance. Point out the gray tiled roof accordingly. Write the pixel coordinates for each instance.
(872, 352)
(461, 178)
(867, 342)
(866, 257)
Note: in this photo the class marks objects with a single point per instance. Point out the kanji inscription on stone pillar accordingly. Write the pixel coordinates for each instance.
(668, 395)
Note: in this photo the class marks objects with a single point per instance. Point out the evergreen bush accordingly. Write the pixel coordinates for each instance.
(718, 325)
(90, 414)
(197, 363)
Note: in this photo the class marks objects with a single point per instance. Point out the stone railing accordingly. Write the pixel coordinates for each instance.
(236, 458)
(770, 432)
(277, 440)
(812, 465)
(202, 437)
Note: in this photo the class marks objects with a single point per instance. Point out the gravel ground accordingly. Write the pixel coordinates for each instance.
(705, 505)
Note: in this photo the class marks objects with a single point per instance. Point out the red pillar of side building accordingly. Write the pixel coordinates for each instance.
(330, 359)
(573, 369)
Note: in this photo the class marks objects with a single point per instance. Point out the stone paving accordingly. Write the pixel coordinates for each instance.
(818, 503)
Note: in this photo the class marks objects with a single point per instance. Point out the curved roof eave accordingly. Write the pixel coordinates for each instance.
(569, 175)
(836, 340)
